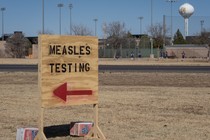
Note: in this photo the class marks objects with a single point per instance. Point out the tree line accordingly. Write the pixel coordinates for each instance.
(116, 36)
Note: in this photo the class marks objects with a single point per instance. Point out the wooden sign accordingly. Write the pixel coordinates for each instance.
(68, 70)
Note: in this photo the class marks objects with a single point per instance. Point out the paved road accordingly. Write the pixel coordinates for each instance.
(142, 68)
(155, 68)
(18, 67)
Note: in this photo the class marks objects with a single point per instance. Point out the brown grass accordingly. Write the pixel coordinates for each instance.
(132, 106)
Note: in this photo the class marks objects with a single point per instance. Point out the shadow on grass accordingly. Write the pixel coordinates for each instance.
(62, 130)
(57, 131)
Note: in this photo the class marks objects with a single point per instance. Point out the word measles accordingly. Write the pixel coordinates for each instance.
(68, 50)
(71, 52)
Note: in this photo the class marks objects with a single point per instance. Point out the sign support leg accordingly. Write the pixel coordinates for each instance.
(41, 135)
(95, 132)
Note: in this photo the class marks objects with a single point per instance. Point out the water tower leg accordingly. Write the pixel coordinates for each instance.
(185, 27)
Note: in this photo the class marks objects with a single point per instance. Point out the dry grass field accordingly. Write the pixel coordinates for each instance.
(132, 106)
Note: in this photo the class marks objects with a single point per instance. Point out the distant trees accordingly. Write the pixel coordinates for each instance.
(117, 35)
(200, 38)
(17, 46)
(81, 30)
(178, 38)
(156, 32)
(46, 31)
(204, 37)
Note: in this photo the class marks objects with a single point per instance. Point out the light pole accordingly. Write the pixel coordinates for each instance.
(140, 19)
(2, 10)
(42, 16)
(151, 39)
(171, 1)
(151, 45)
(70, 22)
(95, 20)
(202, 22)
(151, 13)
(60, 5)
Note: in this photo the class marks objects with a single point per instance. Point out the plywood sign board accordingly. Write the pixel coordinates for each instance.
(68, 70)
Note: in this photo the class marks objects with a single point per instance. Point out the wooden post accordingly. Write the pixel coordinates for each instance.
(95, 132)
(41, 135)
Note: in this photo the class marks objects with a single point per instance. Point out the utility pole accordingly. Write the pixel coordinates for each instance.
(151, 13)
(140, 19)
(171, 1)
(42, 16)
(70, 22)
(202, 22)
(60, 5)
(2, 10)
(151, 38)
(95, 20)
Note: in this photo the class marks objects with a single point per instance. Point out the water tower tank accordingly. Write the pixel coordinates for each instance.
(186, 10)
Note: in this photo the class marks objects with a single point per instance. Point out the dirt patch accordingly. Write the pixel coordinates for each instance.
(155, 79)
(132, 106)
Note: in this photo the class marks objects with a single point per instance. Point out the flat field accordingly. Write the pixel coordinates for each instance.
(132, 106)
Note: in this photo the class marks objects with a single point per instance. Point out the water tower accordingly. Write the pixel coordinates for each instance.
(186, 10)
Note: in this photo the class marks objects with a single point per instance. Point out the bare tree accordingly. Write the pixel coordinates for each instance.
(116, 35)
(49, 32)
(157, 34)
(2, 54)
(205, 37)
(2, 50)
(81, 30)
(17, 46)
(200, 38)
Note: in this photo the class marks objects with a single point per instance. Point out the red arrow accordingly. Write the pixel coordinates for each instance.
(62, 92)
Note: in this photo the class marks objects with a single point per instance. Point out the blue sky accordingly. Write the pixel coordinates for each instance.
(26, 15)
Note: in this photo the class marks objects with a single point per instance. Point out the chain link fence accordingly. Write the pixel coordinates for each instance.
(126, 52)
